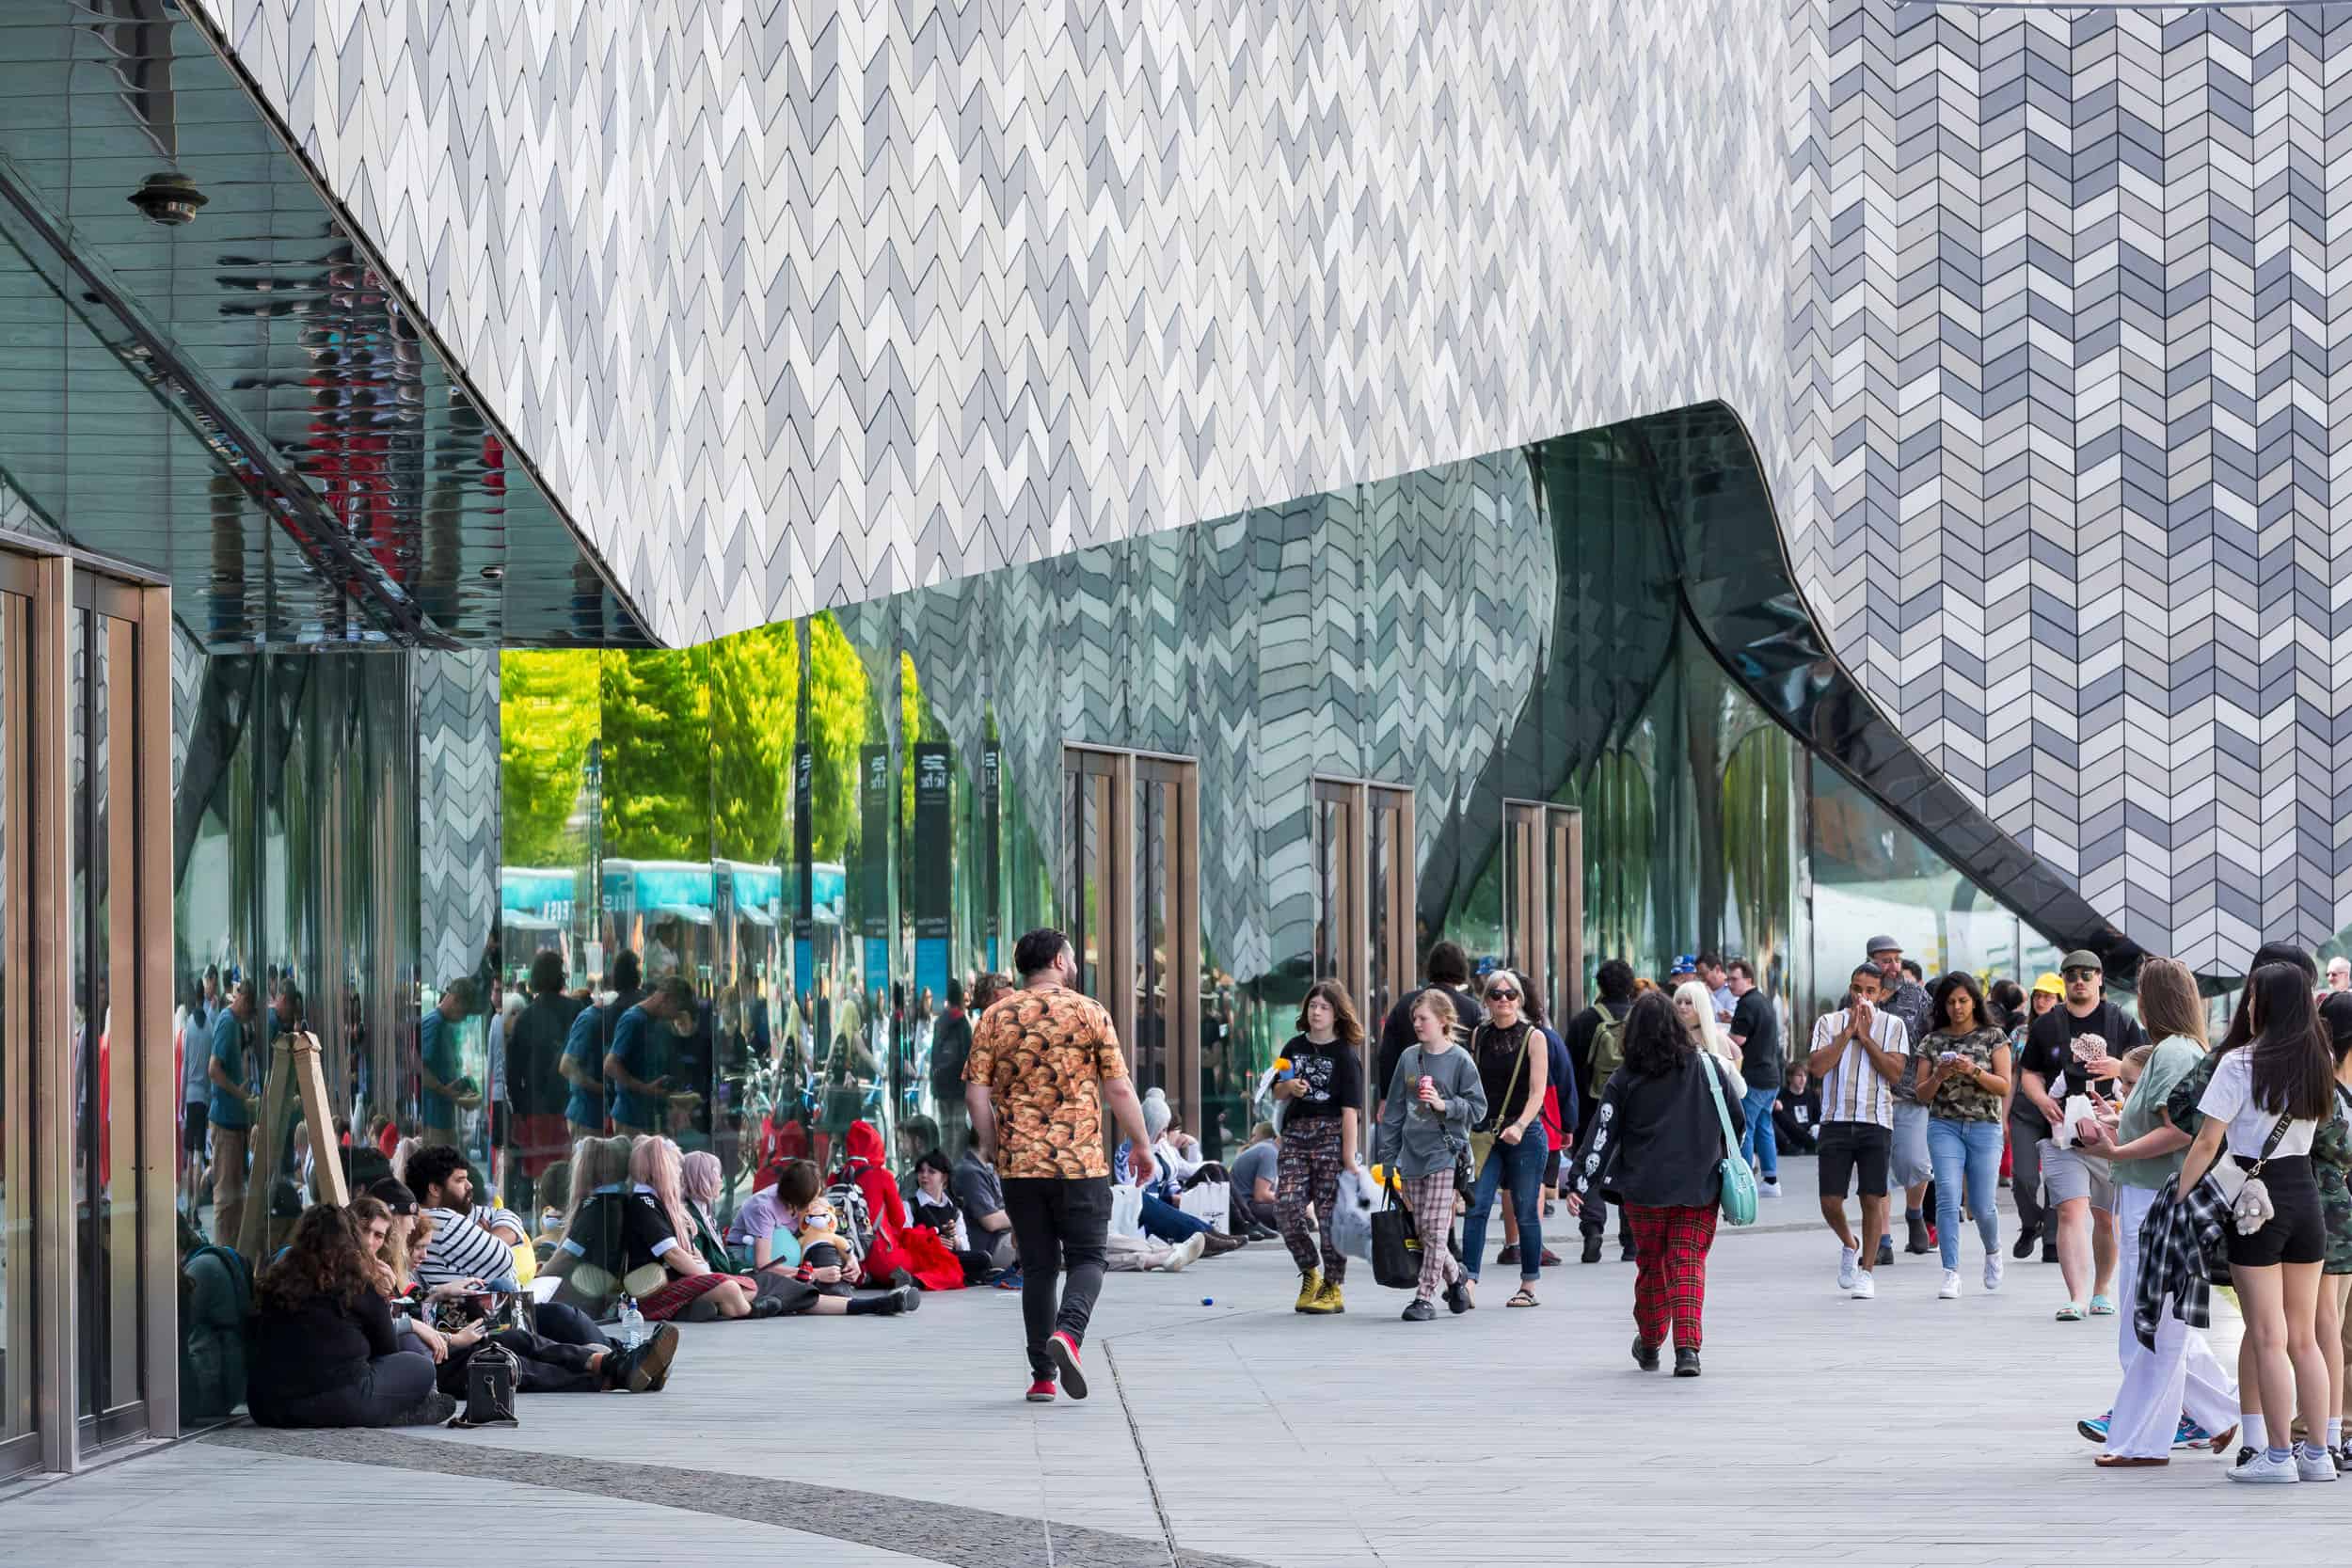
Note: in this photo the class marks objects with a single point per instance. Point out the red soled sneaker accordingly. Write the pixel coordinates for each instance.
(1041, 1391)
(1064, 1350)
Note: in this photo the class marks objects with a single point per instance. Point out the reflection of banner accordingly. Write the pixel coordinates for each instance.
(933, 890)
(803, 892)
(873, 858)
(991, 768)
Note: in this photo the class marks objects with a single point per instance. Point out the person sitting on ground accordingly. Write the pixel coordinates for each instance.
(934, 1209)
(701, 1178)
(886, 1260)
(1161, 1218)
(981, 1196)
(767, 1230)
(1797, 1113)
(323, 1352)
(470, 1241)
(917, 1136)
(696, 1292)
(1255, 1170)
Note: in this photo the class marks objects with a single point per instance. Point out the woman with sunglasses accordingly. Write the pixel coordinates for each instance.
(1515, 1067)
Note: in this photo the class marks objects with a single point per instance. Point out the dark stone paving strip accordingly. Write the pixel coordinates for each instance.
(934, 1532)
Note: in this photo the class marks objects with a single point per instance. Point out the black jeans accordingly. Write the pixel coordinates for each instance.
(541, 1366)
(1058, 1228)
(388, 1386)
(568, 1325)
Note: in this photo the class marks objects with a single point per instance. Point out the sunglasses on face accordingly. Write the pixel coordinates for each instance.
(2082, 974)
(1502, 994)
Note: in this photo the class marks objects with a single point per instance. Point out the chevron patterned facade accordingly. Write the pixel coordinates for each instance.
(810, 302)
(2065, 313)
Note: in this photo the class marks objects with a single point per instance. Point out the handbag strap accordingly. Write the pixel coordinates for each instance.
(1715, 1084)
(2270, 1145)
(1517, 1067)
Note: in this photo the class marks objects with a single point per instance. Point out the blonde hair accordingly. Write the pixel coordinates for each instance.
(1705, 1034)
(1438, 1005)
(656, 1162)
(596, 1162)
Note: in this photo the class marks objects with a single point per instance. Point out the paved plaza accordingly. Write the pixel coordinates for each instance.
(1900, 1431)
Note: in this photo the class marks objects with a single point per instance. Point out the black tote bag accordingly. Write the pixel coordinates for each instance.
(1395, 1242)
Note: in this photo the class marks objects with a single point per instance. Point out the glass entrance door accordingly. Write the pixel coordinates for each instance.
(1364, 892)
(20, 1346)
(1543, 901)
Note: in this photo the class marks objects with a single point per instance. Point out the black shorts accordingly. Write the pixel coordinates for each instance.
(192, 1127)
(2298, 1231)
(1854, 1152)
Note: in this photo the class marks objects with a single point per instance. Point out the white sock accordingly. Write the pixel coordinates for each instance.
(2335, 1432)
(2250, 1431)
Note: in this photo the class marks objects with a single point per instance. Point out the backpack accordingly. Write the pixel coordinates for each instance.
(1608, 1048)
(216, 1301)
(852, 1213)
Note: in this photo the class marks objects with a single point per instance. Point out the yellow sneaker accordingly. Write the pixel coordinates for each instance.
(1310, 1289)
(1329, 1299)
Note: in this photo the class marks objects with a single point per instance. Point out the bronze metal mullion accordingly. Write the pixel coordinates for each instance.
(47, 686)
(16, 1005)
(159, 1144)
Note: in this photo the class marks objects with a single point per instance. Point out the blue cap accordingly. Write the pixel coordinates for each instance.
(1685, 963)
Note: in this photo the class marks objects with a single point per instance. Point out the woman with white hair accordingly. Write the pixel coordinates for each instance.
(1695, 1005)
(1513, 1063)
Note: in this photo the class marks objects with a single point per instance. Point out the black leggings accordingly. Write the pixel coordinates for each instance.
(387, 1388)
(541, 1366)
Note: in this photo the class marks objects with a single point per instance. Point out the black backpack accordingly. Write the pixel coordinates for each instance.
(215, 1305)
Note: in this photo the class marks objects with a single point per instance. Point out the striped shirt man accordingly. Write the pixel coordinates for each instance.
(1853, 1089)
(463, 1248)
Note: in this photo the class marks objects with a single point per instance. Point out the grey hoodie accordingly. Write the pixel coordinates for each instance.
(1414, 1139)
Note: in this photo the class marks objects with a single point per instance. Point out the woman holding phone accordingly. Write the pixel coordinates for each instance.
(1432, 1101)
(1967, 1081)
(2263, 1110)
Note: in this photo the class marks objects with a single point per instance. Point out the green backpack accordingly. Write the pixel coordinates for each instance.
(1608, 1048)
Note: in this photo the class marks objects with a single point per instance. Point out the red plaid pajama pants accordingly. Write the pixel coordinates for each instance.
(1670, 1252)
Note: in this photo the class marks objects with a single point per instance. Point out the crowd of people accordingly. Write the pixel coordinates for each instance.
(2146, 1164)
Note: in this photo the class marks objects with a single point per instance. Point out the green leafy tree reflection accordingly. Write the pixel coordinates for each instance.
(657, 754)
(548, 716)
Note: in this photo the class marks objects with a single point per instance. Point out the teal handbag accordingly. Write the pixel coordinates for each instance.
(1738, 1196)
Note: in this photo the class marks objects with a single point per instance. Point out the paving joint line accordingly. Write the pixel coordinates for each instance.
(1135, 1434)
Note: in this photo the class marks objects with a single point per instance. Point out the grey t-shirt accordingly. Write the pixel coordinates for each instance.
(1417, 1140)
(1253, 1163)
(978, 1193)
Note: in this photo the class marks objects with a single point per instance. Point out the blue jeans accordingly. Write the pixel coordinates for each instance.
(1168, 1222)
(1758, 1139)
(1969, 1150)
(1523, 1164)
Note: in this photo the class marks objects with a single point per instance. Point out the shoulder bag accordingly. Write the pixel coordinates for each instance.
(2244, 1192)
(1395, 1240)
(1482, 1141)
(1738, 1183)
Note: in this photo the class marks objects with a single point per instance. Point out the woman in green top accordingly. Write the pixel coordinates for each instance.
(1967, 1074)
(2331, 1162)
(2180, 1372)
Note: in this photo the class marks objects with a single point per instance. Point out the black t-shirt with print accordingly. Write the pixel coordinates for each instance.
(2050, 1052)
(1334, 1078)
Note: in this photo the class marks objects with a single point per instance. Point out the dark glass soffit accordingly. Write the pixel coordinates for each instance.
(329, 480)
(1742, 595)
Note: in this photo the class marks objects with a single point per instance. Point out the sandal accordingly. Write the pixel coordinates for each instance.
(1523, 1297)
(2071, 1313)
(2123, 1461)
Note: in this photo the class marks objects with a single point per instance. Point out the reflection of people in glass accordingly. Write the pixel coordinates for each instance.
(446, 1089)
(661, 949)
(951, 1045)
(231, 1109)
(636, 1066)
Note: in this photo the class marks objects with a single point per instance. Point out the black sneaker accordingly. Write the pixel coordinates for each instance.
(1627, 1255)
(433, 1409)
(1419, 1311)
(2023, 1249)
(906, 1298)
(2049, 1253)
(2343, 1456)
(1686, 1363)
(1916, 1242)
(1457, 1298)
(1592, 1249)
(1886, 1251)
(1645, 1356)
(1508, 1255)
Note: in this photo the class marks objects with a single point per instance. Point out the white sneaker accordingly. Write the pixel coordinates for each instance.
(1992, 1274)
(2314, 1462)
(1949, 1291)
(1189, 1252)
(2261, 1470)
(1849, 1260)
(1864, 1287)
(1770, 1189)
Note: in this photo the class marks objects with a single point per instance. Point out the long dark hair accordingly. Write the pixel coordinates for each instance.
(1655, 1041)
(2242, 1022)
(2008, 1001)
(1345, 1026)
(1959, 979)
(2336, 1013)
(2294, 1058)
(325, 1259)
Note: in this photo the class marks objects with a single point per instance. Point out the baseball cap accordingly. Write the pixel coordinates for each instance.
(2050, 985)
(1883, 945)
(2082, 958)
(394, 1195)
(1685, 963)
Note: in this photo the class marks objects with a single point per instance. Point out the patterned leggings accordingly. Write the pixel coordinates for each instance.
(1670, 1251)
(1432, 1199)
(1308, 1172)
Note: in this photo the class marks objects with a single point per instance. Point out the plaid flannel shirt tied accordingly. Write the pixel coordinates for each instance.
(2178, 1242)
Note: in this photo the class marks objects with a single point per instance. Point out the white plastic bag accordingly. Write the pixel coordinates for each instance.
(1212, 1201)
(1126, 1210)
(1351, 1228)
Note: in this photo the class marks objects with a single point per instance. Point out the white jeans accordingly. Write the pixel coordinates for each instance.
(2179, 1374)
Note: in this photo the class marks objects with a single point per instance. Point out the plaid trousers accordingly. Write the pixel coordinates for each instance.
(1308, 1175)
(1670, 1252)
(1431, 1198)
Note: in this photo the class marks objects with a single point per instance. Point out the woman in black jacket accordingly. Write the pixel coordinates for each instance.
(322, 1351)
(1657, 1146)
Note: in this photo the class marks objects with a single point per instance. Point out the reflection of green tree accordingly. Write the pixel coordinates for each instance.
(838, 696)
(1620, 825)
(755, 718)
(1758, 814)
(657, 754)
(547, 716)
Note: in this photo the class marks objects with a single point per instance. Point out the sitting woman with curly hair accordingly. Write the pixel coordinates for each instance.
(325, 1353)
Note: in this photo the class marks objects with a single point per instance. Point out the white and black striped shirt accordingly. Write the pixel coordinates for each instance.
(1852, 1090)
(463, 1249)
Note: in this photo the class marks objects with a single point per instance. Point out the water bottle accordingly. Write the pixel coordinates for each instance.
(633, 1324)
